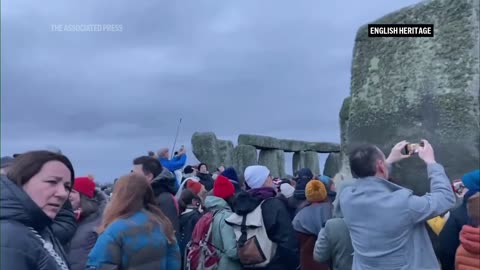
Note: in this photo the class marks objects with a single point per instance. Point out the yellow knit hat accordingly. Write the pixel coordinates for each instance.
(315, 191)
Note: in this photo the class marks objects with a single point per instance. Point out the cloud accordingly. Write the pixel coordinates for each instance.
(272, 67)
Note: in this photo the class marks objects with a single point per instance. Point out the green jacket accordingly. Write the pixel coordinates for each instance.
(223, 236)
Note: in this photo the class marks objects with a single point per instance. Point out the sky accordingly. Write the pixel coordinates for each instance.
(106, 81)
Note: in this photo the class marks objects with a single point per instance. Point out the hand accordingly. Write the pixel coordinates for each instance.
(426, 152)
(396, 153)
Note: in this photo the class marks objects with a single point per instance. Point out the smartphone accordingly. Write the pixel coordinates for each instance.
(412, 148)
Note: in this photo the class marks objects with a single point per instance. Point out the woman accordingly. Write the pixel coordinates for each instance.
(134, 233)
(205, 177)
(37, 186)
(88, 203)
(310, 220)
(191, 211)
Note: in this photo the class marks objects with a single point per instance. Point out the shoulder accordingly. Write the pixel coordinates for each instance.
(15, 234)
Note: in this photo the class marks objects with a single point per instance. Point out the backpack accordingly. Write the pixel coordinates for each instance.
(201, 254)
(254, 248)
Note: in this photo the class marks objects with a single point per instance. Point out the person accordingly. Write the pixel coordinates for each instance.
(134, 233)
(205, 177)
(386, 221)
(191, 210)
(223, 236)
(163, 185)
(448, 239)
(32, 195)
(274, 213)
(468, 253)
(198, 189)
(232, 176)
(302, 177)
(334, 245)
(88, 203)
(309, 221)
(175, 163)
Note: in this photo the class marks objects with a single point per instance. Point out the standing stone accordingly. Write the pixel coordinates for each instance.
(332, 164)
(244, 156)
(312, 162)
(298, 161)
(260, 142)
(274, 160)
(225, 153)
(204, 147)
(344, 115)
(409, 89)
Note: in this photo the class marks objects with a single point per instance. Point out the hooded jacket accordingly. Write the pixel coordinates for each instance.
(334, 245)
(86, 235)
(223, 236)
(468, 253)
(164, 189)
(20, 248)
(277, 224)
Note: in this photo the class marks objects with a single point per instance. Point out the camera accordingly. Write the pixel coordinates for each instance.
(412, 148)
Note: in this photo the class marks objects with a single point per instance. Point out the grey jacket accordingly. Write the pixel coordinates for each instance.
(334, 245)
(86, 235)
(386, 221)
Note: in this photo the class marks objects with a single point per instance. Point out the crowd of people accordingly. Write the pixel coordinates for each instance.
(166, 214)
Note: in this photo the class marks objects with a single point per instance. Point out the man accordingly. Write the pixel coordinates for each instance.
(387, 222)
(163, 185)
(274, 215)
(175, 164)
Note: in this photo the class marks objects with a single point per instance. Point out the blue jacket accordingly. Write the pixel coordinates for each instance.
(175, 163)
(131, 244)
(387, 222)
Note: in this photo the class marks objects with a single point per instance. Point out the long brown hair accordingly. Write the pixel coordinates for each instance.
(133, 193)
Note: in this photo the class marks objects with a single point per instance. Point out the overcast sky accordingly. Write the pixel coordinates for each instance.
(278, 68)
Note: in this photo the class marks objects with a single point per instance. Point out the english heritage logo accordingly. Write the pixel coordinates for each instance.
(400, 30)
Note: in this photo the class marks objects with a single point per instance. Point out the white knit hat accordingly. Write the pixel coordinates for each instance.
(256, 176)
(287, 190)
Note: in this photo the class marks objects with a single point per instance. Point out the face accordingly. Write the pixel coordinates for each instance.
(269, 182)
(203, 169)
(75, 199)
(138, 169)
(50, 187)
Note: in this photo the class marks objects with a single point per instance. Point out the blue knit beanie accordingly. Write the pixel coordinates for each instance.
(471, 180)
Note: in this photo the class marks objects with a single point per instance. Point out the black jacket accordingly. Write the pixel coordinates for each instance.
(206, 180)
(164, 190)
(65, 225)
(188, 220)
(448, 240)
(20, 248)
(278, 226)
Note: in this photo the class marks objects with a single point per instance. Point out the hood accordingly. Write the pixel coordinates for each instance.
(17, 206)
(470, 239)
(302, 177)
(102, 201)
(247, 201)
(164, 182)
(215, 202)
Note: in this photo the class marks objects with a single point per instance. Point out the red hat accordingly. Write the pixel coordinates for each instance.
(196, 187)
(223, 188)
(85, 186)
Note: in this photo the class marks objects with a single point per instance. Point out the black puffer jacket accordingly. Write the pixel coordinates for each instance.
(206, 180)
(278, 226)
(20, 248)
(164, 189)
(86, 235)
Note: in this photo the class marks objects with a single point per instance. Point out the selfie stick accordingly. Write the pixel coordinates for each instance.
(176, 136)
